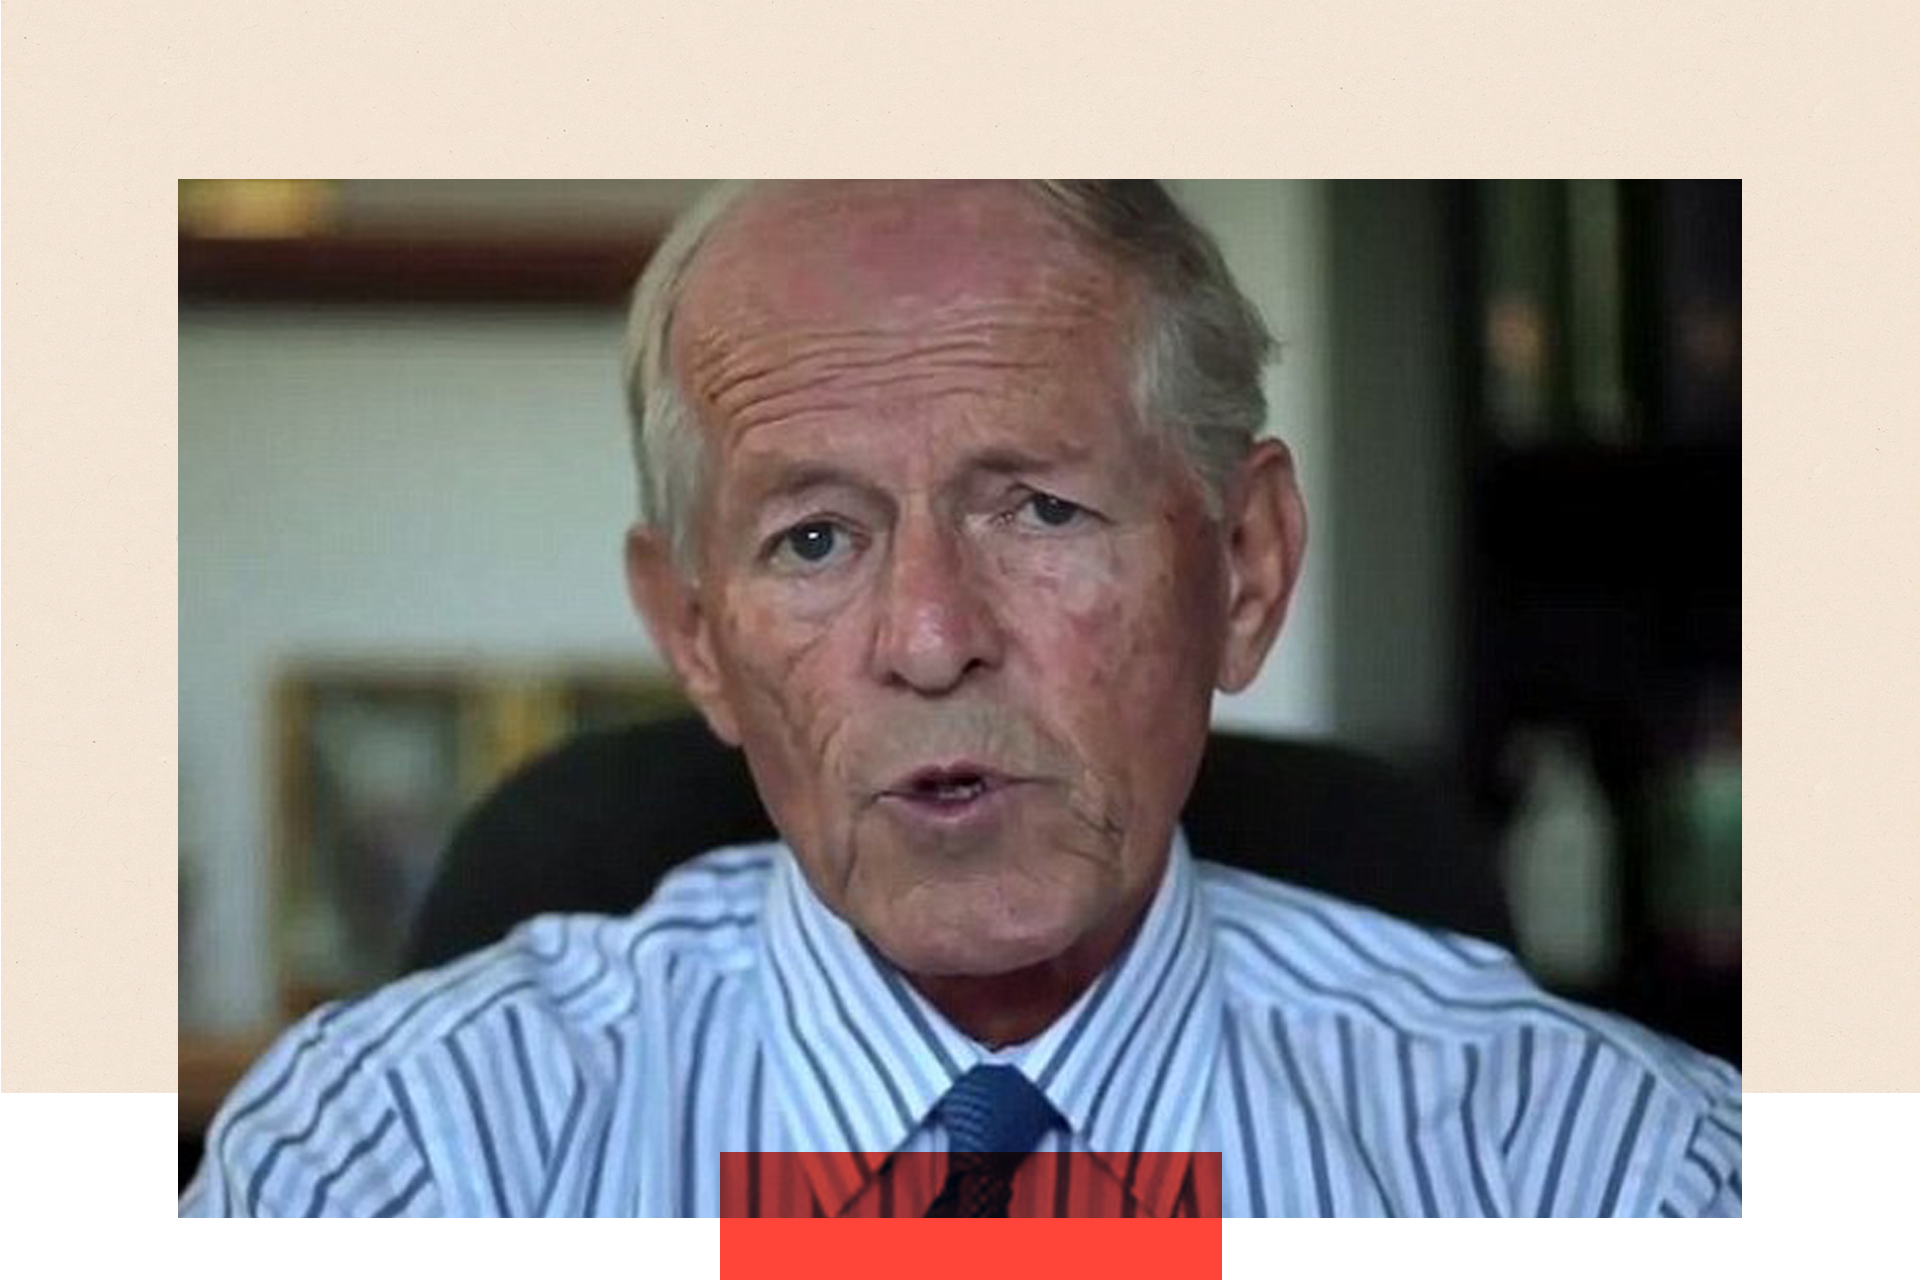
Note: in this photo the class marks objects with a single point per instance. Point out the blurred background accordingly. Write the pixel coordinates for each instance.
(404, 477)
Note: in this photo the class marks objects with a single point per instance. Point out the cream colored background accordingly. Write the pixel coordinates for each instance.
(105, 107)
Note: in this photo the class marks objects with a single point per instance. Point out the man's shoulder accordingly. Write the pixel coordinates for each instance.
(1280, 936)
(1326, 960)
(537, 1022)
(1564, 1108)
(576, 970)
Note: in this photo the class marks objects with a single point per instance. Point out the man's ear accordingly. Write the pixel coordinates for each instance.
(681, 626)
(1265, 524)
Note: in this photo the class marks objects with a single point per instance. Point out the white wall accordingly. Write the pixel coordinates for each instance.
(431, 484)
(396, 485)
(1274, 236)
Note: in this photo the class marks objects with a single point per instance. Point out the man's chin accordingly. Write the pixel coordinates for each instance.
(958, 952)
(984, 914)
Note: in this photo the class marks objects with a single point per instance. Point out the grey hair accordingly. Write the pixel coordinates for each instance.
(1199, 353)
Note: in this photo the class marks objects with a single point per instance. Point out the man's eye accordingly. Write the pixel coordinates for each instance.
(1051, 512)
(812, 543)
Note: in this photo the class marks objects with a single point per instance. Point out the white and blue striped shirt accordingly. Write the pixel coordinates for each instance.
(1341, 1062)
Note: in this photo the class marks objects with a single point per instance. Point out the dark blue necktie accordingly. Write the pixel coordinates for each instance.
(994, 1117)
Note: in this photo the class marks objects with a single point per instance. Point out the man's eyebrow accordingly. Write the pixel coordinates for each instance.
(787, 480)
(1003, 460)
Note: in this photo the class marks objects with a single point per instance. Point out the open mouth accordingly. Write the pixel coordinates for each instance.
(948, 787)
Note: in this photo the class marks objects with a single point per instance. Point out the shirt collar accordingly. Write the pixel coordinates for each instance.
(860, 1058)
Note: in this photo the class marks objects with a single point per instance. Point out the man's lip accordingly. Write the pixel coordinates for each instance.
(916, 782)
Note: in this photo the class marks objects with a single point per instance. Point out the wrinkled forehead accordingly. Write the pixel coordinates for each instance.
(796, 260)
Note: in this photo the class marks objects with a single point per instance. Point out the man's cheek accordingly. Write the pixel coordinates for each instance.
(803, 691)
(772, 652)
(1090, 635)
(768, 635)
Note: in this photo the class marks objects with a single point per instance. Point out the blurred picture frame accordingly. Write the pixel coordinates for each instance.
(377, 762)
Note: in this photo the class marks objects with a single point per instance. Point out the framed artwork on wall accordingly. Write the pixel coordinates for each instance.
(377, 763)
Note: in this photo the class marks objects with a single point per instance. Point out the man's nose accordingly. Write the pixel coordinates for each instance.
(935, 624)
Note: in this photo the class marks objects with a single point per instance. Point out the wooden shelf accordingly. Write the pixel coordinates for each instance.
(445, 269)
(1600, 579)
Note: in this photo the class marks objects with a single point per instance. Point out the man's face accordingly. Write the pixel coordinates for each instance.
(961, 609)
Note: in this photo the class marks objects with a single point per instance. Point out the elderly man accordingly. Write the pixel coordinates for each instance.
(956, 516)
